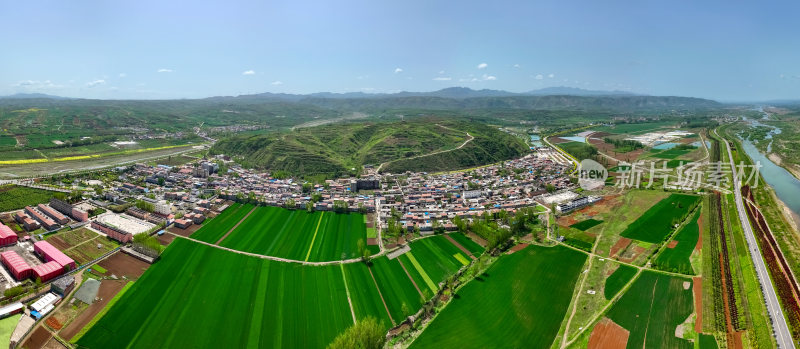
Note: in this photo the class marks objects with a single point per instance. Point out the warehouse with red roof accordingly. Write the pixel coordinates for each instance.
(46, 272)
(16, 264)
(51, 254)
(7, 236)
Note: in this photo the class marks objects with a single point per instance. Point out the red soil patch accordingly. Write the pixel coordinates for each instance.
(620, 245)
(108, 289)
(566, 221)
(637, 250)
(53, 323)
(608, 335)
(516, 248)
(121, 264)
(372, 241)
(165, 239)
(697, 289)
(672, 244)
(600, 134)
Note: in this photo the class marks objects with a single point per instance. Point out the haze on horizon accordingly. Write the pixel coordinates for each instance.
(187, 49)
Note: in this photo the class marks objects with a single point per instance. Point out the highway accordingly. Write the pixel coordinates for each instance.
(779, 325)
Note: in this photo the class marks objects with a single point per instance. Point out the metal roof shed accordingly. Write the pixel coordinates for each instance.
(50, 253)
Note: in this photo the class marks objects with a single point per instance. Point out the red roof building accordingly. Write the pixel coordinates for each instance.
(7, 236)
(18, 266)
(46, 272)
(52, 254)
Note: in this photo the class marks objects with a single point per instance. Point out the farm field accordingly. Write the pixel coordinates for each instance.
(82, 244)
(435, 255)
(676, 259)
(473, 247)
(401, 296)
(652, 309)
(255, 303)
(617, 280)
(519, 302)
(217, 227)
(635, 128)
(364, 293)
(14, 197)
(299, 235)
(656, 223)
(585, 225)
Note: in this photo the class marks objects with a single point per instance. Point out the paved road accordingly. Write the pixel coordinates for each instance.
(779, 325)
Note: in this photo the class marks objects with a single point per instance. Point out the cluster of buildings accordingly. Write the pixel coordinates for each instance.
(49, 217)
(54, 263)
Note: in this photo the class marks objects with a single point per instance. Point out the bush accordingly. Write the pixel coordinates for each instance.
(365, 334)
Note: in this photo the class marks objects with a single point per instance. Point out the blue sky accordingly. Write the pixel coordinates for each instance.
(725, 50)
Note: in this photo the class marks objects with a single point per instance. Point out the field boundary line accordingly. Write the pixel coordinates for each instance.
(410, 278)
(381, 294)
(235, 226)
(314, 238)
(462, 248)
(347, 290)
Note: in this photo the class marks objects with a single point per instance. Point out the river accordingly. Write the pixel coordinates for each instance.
(785, 184)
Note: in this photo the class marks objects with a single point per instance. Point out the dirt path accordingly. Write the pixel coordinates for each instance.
(469, 139)
(652, 300)
(410, 278)
(235, 226)
(381, 294)
(347, 290)
(459, 246)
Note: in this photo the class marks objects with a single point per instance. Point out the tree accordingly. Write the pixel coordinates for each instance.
(549, 187)
(309, 206)
(367, 333)
(289, 203)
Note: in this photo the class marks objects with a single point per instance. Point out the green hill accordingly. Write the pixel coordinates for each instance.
(339, 149)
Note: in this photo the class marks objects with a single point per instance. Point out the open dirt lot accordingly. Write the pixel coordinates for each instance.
(184, 232)
(108, 289)
(38, 338)
(608, 335)
(121, 264)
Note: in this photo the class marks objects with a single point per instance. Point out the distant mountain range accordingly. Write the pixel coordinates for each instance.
(450, 92)
(32, 96)
(452, 98)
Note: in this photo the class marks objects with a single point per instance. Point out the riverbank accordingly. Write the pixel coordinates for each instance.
(794, 169)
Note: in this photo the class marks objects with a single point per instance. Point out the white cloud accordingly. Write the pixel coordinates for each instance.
(442, 78)
(538, 77)
(441, 72)
(249, 72)
(36, 84)
(482, 66)
(551, 75)
(516, 65)
(94, 83)
(276, 83)
(123, 75)
(362, 77)
(489, 77)
(398, 70)
(164, 70)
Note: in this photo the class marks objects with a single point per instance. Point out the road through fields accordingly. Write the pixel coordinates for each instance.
(780, 327)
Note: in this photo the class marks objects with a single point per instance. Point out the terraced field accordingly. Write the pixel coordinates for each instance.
(299, 235)
(657, 222)
(652, 309)
(254, 303)
(519, 302)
